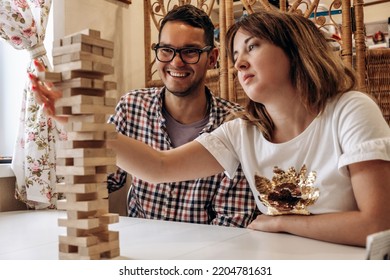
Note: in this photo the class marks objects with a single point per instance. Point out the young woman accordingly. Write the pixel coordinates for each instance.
(315, 153)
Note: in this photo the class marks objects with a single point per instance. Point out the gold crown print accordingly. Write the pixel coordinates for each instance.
(289, 192)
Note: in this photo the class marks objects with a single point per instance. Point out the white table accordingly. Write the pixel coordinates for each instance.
(32, 235)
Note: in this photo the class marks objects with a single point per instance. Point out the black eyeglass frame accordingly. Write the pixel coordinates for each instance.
(175, 51)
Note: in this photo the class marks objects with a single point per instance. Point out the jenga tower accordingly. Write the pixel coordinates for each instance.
(83, 60)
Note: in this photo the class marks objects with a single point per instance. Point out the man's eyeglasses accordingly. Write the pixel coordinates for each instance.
(187, 55)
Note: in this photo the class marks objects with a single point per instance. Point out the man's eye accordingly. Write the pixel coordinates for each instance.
(166, 50)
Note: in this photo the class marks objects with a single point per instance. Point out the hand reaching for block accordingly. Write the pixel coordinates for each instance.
(45, 92)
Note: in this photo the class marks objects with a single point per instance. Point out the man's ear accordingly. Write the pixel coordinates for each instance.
(213, 58)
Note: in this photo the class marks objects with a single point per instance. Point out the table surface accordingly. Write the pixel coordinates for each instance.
(32, 235)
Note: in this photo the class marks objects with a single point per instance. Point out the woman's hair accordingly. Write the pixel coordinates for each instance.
(193, 16)
(316, 70)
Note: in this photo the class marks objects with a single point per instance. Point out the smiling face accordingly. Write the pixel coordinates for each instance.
(263, 68)
(180, 78)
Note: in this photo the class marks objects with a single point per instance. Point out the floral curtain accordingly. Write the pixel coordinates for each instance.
(23, 25)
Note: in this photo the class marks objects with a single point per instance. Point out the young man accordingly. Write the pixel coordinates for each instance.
(168, 117)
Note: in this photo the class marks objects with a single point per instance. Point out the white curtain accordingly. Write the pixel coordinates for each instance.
(23, 25)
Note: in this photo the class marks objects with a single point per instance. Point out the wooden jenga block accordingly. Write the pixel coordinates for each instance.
(65, 49)
(82, 91)
(82, 55)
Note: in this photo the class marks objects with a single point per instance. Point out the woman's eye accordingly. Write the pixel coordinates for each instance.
(251, 47)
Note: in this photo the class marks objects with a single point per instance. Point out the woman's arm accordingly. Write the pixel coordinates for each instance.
(371, 186)
(186, 162)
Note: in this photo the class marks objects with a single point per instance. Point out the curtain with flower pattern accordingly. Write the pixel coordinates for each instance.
(23, 25)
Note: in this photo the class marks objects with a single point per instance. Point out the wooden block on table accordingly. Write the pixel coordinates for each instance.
(99, 248)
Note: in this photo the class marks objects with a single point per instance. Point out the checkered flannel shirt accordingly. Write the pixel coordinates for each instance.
(215, 200)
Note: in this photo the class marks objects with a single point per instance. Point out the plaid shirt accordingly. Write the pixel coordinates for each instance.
(214, 200)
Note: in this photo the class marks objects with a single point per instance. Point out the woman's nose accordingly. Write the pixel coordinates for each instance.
(240, 63)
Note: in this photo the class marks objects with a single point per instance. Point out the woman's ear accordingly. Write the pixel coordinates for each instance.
(213, 58)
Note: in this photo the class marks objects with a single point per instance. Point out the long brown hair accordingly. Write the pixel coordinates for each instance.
(316, 70)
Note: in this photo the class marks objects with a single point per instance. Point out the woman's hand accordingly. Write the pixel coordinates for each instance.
(45, 93)
(265, 223)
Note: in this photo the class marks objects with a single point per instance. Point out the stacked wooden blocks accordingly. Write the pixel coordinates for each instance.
(83, 60)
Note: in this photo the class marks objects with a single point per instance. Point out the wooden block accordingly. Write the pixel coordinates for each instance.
(75, 170)
(84, 152)
(101, 193)
(74, 65)
(113, 253)
(76, 144)
(91, 109)
(87, 127)
(110, 101)
(80, 99)
(78, 188)
(103, 68)
(78, 241)
(99, 248)
(71, 49)
(95, 161)
(81, 224)
(93, 118)
(108, 235)
(82, 91)
(83, 205)
(50, 76)
(108, 85)
(85, 65)
(68, 75)
(108, 53)
(86, 232)
(97, 50)
(87, 136)
(66, 248)
(82, 55)
(97, 178)
(109, 218)
(82, 38)
(75, 83)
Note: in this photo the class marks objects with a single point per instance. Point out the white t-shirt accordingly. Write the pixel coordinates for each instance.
(351, 129)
